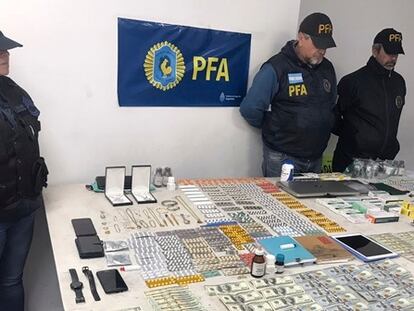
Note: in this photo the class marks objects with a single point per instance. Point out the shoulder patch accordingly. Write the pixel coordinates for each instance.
(399, 102)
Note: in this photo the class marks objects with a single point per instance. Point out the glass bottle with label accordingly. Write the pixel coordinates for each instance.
(258, 268)
(280, 263)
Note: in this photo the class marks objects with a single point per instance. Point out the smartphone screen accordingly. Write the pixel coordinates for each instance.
(111, 281)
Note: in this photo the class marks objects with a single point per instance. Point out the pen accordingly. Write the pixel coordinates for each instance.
(287, 246)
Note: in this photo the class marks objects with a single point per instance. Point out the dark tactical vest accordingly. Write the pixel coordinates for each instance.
(301, 117)
(23, 172)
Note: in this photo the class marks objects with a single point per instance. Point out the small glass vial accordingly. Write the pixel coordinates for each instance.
(280, 263)
(258, 268)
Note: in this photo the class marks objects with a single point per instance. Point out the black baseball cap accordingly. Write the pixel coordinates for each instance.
(319, 27)
(391, 41)
(7, 43)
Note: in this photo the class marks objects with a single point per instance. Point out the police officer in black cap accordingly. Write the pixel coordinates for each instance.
(369, 105)
(299, 85)
(23, 174)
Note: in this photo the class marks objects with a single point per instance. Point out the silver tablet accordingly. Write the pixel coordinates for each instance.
(363, 247)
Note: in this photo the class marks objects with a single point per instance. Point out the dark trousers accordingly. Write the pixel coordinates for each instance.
(15, 239)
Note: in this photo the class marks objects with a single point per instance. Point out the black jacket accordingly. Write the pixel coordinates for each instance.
(369, 106)
(23, 172)
(301, 117)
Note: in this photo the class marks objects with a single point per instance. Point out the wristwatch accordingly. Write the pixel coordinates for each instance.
(76, 286)
(91, 280)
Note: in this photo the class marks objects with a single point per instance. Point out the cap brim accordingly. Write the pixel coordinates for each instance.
(323, 42)
(8, 44)
(393, 50)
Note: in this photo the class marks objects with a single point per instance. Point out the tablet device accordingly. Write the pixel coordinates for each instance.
(111, 281)
(363, 247)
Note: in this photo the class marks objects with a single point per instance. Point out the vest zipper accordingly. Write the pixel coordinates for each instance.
(386, 117)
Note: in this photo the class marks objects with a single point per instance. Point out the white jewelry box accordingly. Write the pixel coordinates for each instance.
(114, 186)
(140, 186)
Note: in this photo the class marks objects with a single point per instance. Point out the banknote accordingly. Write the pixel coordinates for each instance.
(236, 287)
(269, 293)
(260, 283)
(361, 306)
(298, 299)
(259, 306)
(388, 292)
(227, 298)
(213, 290)
(364, 276)
(402, 303)
(249, 296)
(399, 272)
(235, 307)
(280, 280)
(278, 304)
(289, 290)
(311, 307)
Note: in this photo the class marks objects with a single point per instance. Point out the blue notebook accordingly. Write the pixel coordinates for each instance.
(295, 254)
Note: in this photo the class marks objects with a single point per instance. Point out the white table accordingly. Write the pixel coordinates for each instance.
(63, 203)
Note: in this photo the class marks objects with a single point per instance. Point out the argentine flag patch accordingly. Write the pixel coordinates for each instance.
(295, 78)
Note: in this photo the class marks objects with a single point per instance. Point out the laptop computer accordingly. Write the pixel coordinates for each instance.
(317, 188)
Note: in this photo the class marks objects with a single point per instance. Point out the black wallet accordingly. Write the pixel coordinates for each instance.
(83, 227)
(89, 246)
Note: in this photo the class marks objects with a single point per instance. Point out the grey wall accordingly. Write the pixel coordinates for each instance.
(355, 25)
(69, 66)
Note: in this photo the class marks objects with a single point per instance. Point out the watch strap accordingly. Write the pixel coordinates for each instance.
(78, 291)
(74, 275)
(79, 295)
(92, 284)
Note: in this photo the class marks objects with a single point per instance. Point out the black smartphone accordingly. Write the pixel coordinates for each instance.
(83, 227)
(111, 281)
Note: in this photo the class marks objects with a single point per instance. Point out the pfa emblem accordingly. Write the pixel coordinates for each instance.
(399, 102)
(327, 85)
(164, 66)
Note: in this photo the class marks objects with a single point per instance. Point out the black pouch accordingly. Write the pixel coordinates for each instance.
(89, 246)
(39, 173)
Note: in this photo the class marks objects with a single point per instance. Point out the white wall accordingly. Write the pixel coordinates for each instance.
(355, 25)
(69, 66)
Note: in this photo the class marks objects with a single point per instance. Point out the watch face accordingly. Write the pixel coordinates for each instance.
(76, 285)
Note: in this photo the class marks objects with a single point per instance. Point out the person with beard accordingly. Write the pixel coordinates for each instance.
(299, 85)
(369, 105)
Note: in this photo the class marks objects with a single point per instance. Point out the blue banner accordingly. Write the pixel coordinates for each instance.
(170, 65)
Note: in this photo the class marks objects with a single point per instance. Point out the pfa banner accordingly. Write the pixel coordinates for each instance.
(170, 65)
